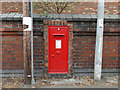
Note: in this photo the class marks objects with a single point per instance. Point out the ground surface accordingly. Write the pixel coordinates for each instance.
(76, 82)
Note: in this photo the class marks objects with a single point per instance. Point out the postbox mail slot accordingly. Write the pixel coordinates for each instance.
(58, 34)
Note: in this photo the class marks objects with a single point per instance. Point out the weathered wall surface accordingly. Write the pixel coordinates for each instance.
(12, 46)
(82, 8)
(83, 45)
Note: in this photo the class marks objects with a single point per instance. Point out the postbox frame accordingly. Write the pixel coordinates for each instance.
(48, 23)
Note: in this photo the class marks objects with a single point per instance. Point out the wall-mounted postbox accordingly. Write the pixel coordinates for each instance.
(58, 49)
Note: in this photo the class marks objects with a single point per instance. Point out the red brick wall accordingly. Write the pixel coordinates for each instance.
(38, 47)
(12, 53)
(83, 45)
(82, 8)
(7, 6)
(12, 46)
(110, 52)
(84, 52)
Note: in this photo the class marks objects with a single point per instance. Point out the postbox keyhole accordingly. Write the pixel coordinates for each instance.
(58, 52)
(52, 54)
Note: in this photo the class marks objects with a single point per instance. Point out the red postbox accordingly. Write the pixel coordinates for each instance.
(58, 49)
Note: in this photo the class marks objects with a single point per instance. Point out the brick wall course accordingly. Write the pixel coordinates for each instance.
(82, 8)
(12, 52)
(83, 45)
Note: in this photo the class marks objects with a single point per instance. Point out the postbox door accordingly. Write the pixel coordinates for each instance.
(58, 49)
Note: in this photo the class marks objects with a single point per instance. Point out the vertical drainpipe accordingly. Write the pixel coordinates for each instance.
(32, 66)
